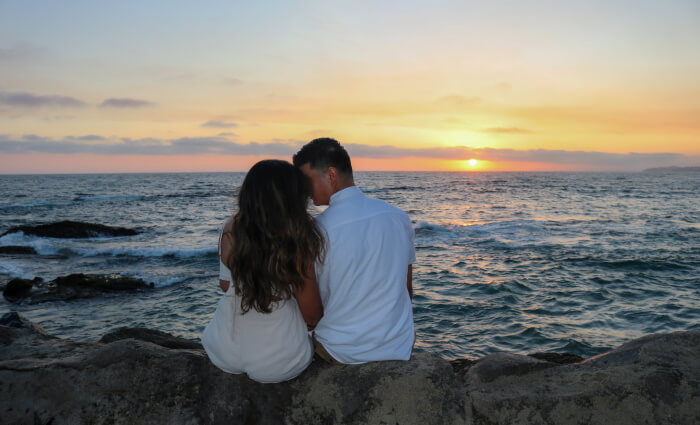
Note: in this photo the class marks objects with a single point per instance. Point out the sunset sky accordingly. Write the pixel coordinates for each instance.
(122, 86)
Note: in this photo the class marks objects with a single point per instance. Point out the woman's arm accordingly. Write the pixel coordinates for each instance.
(309, 300)
(225, 246)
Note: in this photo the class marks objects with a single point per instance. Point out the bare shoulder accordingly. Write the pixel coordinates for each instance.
(226, 239)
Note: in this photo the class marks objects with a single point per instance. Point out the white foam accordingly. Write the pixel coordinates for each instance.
(13, 270)
(53, 246)
(158, 281)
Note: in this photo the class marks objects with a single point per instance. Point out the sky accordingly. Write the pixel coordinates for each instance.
(169, 86)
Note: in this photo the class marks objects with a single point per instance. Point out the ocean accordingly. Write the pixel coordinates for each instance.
(517, 262)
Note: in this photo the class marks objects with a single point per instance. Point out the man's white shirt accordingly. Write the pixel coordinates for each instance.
(367, 308)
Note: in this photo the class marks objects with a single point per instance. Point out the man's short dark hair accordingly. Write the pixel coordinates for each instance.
(323, 153)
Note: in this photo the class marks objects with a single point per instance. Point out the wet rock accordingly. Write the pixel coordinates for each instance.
(15, 249)
(18, 288)
(151, 335)
(72, 287)
(559, 358)
(652, 380)
(72, 229)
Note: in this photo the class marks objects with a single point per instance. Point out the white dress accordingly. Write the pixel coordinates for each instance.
(268, 347)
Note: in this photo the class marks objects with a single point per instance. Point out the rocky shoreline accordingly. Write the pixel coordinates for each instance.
(132, 377)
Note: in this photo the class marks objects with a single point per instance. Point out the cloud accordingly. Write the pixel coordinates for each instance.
(596, 160)
(231, 81)
(146, 146)
(458, 100)
(227, 134)
(125, 103)
(220, 145)
(219, 124)
(507, 130)
(30, 100)
(20, 52)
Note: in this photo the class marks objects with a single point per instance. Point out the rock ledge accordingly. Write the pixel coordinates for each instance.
(651, 380)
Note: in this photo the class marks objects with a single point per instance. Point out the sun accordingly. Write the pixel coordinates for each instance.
(472, 162)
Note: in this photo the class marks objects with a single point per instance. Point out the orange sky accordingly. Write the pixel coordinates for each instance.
(420, 87)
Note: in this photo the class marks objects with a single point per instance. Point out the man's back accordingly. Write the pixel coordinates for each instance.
(368, 314)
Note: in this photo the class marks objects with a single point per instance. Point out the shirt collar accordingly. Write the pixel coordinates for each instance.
(348, 192)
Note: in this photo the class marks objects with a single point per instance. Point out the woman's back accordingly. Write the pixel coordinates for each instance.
(267, 253)
(269, 347)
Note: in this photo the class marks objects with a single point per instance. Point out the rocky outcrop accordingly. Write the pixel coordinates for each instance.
(652, 380)
(17, 250)
(74, 286)
(72, 229)
(151, 335)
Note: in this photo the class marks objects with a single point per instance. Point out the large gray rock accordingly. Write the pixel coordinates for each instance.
(44, 379)
(74, 286)
(128, 381)
(72, 229)
(651, 380)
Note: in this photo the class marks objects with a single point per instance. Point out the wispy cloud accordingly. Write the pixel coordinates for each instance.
(507, 130)
(125, 103)
(145, 146)
(31, 100)
(20, 52)
(458, 100)
(219, 124)
(220, 145)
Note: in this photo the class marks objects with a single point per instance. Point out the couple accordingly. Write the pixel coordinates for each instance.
(346, 275)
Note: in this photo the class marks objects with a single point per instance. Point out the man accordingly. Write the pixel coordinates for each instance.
(365, 280)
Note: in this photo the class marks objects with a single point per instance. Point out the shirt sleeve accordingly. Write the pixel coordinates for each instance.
(412, 241)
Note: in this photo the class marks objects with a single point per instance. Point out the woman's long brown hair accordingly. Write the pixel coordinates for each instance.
(275, 242)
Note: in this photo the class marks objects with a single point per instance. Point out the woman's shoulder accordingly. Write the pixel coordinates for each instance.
(228, 225)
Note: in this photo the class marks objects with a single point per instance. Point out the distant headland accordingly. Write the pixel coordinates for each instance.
(672, 170)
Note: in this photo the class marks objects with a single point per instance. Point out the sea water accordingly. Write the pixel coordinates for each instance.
(518, 262)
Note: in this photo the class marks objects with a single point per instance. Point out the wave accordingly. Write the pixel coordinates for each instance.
(158, 281)
(389, 189)
(14, 271)
(67, 248)
(152, 252)
(86, 197)
(52, 203)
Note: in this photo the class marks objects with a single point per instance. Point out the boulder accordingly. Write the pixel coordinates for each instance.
(18, 288)
(15, 249)
(71, 287)
(136, 382)
(651, 380)
(72, 229)
(163, 339)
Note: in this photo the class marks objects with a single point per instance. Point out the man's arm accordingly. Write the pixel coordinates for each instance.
(409, 280)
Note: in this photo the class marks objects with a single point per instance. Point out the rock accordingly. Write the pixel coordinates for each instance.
(14, 249)
(72, 229)
(137, 382)
(151, 335)
(72, 287)
(652, 380)
(18, 288)
(559, 358)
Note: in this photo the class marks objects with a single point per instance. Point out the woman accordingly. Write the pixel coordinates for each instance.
(267, 252)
